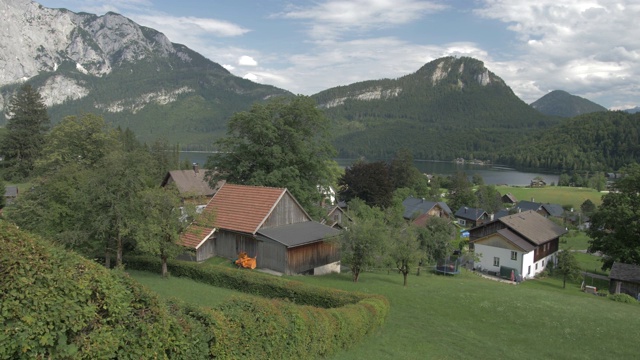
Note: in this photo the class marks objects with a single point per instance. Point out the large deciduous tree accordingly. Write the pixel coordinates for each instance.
(460, 192)
(26, 128)
(369, 182)
(489, 198)
(615, 229)
(283, 143)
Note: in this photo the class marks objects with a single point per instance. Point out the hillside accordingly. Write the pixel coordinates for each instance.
(600, 141)
(561, 103)
(109, 65)
(451, 107)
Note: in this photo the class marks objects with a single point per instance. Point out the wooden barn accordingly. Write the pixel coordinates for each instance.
(266, 223)
(625, 279)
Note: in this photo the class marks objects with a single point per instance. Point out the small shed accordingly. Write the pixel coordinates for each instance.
(10, 194)
(625, 279)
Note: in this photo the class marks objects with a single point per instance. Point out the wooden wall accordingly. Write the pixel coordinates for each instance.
(206, 250)
(286, 212)
(304, 258)
(229, 244)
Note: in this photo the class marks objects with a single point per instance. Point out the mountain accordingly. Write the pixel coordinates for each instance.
(561, 103)
(633, 110)
(111, 66)
(451, 107)
(599, 141)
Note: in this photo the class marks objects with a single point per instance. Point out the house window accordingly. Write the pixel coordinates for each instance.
(529, 270)
(462, 222)
(514, 255)
(542, 263)
(536, 266)
(496, 261)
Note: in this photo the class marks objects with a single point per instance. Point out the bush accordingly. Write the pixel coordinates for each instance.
(623, 298)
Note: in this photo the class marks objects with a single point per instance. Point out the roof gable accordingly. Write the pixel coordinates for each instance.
(418, 206)
(191, 182)
(244, 208)
(625, 272)
(470, 213)
(532, 226)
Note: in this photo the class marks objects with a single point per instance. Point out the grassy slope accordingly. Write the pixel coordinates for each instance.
(465, 316)
(554, 194)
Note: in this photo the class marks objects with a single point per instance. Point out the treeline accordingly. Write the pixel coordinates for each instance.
(602, 141)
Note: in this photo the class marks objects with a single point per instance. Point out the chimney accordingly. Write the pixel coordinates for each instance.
(195, 167)
(465, 209)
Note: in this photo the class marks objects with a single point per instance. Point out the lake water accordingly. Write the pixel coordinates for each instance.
(492, 175)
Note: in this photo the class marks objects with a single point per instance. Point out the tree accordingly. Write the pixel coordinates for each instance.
(460, 192)
(568, 266)
(26, 128)
(615, 228)
(2, 191)
(588, 207)
(283, 143)
(489, 198)
(405, 250)
(402, 173)
(477, 179)
(159, 230)
(435, 239)
(367, 181)
(83, 140)
(598, 181)
(363, 241)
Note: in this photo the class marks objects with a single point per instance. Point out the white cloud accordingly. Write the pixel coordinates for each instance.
(585, 47)
(246, 60)
(334, 17)
(228, 67)
(252, 77)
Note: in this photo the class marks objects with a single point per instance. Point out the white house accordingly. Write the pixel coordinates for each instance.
(525, 242)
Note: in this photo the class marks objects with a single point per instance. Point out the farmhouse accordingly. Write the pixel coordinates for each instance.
(191, 185)
(625, 279)
(471, 217)
(268, 224)
(523, 242)
(419, 210)
(509, 199)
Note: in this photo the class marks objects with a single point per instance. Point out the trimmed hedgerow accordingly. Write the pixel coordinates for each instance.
(292, 320)
(56, 304)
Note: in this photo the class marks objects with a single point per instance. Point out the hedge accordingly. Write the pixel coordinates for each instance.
(57, 304)
(291, 320)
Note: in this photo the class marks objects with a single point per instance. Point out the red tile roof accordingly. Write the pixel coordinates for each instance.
(194, 235)
(242, 208)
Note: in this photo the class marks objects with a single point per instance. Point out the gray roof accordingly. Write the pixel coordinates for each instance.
(554, 209)
(417, 206)
(301, 233)
(500, 213)
(191, 183)
(532, 226)
(10, 191)
(516, 239)
(525, 205)
(470, 213)
(625, 272)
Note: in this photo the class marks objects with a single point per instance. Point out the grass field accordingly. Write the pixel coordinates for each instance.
(468, 317)
(562, 195)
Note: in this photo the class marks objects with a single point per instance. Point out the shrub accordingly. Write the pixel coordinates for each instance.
(623, 298)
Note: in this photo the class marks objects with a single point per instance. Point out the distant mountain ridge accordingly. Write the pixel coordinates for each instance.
(561, 103)
(109, 65)
(451, 107)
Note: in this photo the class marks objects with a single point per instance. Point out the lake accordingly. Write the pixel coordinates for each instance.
(492, 175)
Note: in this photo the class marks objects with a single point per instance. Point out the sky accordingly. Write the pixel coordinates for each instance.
(589, 48)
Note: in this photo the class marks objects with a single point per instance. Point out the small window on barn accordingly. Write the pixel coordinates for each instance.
(496, 261)
(536, 266)
(462, 222)
(514, 255)
(529, 270)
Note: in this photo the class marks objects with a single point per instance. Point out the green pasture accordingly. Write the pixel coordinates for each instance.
(467, 317)
(563, 195)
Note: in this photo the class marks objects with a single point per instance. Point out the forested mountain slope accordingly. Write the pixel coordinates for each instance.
(596, 141)
(451, 107)
(561, 103)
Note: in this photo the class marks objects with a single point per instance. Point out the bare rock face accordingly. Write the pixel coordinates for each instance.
(36, 40)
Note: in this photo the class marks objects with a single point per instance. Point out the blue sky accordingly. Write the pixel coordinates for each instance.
(590, 48)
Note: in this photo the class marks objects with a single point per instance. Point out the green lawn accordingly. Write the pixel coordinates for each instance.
(562, 195)
(468, 317)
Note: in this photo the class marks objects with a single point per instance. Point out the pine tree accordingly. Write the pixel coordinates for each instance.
(26, 129)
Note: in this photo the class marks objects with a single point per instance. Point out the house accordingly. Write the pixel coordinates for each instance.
(625, 279)
(336, 217)
(10, 194)
(525, 205)
(418, 210)
(471, 217)
(509, 199)
(191, 185)
(537, 182)
(524, 242)
(268, 224)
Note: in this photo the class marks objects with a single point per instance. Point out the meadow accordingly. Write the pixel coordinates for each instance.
(465, 316)
(562, 195)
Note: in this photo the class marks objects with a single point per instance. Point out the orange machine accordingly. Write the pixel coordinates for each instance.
(245, 261)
